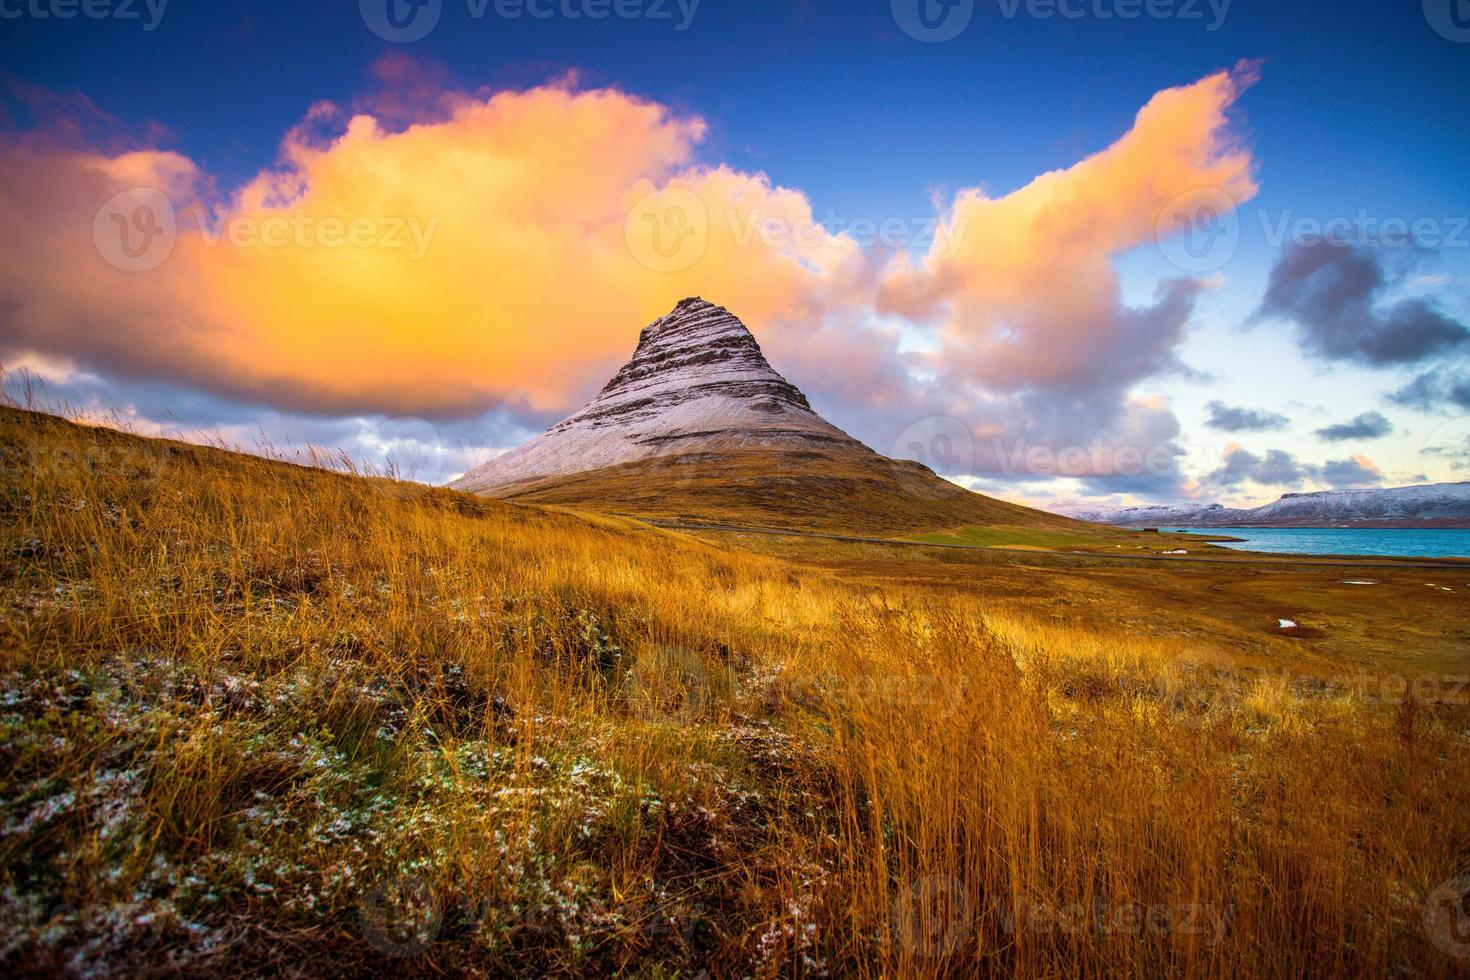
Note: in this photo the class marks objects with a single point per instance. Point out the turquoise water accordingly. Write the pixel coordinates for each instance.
(1396, 542)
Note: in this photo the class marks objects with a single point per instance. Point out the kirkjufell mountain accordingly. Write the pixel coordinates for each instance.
(697, 426)
(698, 382)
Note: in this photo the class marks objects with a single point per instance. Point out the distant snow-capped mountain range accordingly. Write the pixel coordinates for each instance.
(1437, 505)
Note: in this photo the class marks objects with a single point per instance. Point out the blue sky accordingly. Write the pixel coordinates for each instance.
(1360, 107)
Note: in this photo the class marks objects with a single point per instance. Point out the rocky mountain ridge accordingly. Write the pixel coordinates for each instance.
(697, 382)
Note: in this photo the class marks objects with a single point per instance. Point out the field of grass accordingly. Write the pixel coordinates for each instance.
(1083, 538)
(259, 717)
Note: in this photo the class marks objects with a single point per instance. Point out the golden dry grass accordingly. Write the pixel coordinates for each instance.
(263, 718)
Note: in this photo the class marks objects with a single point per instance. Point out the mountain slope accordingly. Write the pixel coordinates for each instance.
(1437, 505)
(1158, 515)
(698, 426)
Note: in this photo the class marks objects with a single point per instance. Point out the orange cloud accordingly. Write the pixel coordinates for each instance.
(1024, 285)
(443, 253)
(484, 258)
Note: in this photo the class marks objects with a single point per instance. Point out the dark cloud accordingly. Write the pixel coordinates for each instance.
(1163, 483)
(1436, 389)
(1369, 425)
(1229, 419)
(1333, 294)
(1449, 460)
(1083, 423)
(1346, 474)
(1279, 468)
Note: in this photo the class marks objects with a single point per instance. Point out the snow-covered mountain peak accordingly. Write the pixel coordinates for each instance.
(697, 382)
(696, 344)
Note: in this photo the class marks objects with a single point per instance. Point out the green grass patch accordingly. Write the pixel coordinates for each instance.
(1105, 540)
(1024, 537)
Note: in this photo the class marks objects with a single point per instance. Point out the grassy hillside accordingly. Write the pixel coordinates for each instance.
(263, 718)
(811, 491)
